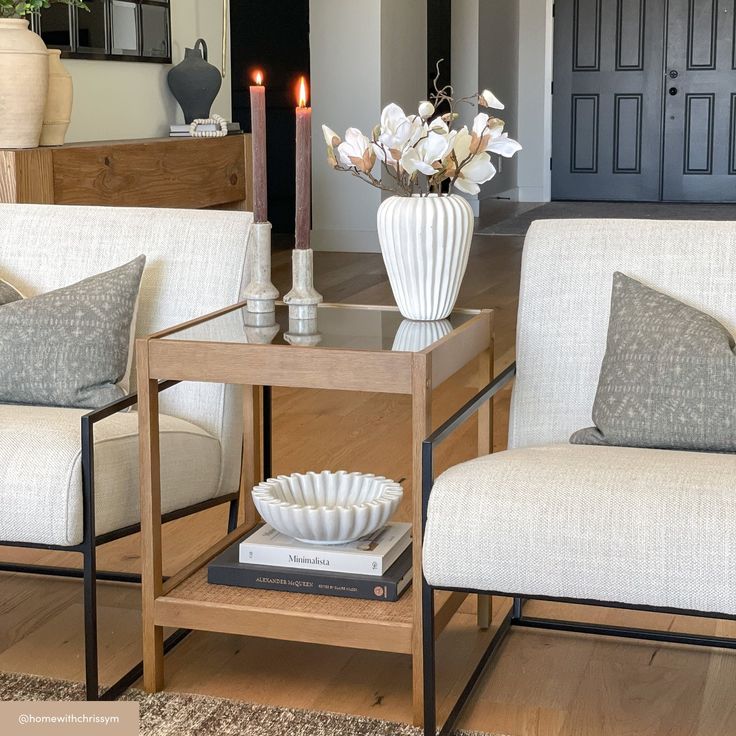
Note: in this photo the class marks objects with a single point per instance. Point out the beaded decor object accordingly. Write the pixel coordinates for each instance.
(214, 120)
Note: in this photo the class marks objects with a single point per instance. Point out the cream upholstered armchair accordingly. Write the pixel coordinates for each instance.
(69, 477)
(611, 526)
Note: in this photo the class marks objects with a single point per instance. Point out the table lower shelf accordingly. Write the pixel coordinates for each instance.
(346, 622)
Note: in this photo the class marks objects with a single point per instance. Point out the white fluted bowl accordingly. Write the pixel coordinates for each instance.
(326, 507)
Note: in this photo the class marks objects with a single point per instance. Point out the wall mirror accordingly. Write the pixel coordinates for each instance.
(120, 30)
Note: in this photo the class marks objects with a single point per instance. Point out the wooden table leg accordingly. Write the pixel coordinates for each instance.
(421, 422)
(251, 468)
(150, 494)
(485, 446)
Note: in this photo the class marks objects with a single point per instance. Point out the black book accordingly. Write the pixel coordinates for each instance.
(226, 569)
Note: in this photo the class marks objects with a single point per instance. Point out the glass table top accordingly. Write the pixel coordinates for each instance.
(336, 326)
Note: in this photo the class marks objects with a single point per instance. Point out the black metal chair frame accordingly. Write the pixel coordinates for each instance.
(515, 616)
(88, 549)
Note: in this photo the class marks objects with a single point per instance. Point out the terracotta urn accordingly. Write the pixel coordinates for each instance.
(58, 112)
(24, 79)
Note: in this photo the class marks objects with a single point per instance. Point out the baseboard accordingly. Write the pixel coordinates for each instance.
(348, 241)
(509, 194)
(532, 194)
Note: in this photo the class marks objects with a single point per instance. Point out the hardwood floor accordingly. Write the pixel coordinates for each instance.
(542, 684)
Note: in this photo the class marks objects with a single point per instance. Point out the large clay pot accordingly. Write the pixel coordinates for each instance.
(24, 79)
(195, 83)
(58, 113)
(425, 242)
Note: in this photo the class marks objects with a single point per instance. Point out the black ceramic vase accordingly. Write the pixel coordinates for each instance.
(195, 83)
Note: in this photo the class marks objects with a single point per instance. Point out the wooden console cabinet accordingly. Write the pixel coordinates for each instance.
(159, 172)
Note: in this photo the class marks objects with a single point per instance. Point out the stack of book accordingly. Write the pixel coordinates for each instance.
(182, 131)
(378, 567)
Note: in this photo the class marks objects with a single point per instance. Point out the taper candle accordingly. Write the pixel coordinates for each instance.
(303, 168)
(258, 145)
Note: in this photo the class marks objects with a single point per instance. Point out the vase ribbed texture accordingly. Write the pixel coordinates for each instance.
(58, 112)
(413, 336)
(425, 243)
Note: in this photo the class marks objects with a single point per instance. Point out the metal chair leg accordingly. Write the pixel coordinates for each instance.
(517, 608)
(90, 622)
(90, 560)
(232, 519)
(428, 648)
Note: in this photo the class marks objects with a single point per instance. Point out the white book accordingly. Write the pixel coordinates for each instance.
(204, 127)
(372, 555)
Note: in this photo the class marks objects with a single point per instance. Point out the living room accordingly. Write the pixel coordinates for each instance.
(359, 367)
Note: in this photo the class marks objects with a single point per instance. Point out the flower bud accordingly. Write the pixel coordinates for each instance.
(426, 109)
(487, 99)
(332, 139)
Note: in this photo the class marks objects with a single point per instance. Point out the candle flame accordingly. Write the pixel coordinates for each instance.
(302, 92)
(258, 76)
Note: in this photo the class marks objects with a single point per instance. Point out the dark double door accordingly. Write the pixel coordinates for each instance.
(644, 100)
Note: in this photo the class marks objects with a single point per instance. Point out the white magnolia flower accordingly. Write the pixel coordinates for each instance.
(424, 149)
(488, 136)
(475, 167)
(426, 109)
(332, 139)
(397, 131)
(427, 155)
(462, 144)
(488, 99)
(438, 125)
(356, 150)
(478, 171)
(504, 146)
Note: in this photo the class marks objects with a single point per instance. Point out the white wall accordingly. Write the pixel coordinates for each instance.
(345, 41)
(403, 53)
(534, 178)
(498, 70)
(120, 99)
(363, 55)
(506, 45)
(464, 67)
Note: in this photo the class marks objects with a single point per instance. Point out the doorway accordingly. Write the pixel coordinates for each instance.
(644, 100)
(274, 39)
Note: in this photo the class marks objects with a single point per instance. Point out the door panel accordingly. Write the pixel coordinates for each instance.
(699, 107)
(607, 105)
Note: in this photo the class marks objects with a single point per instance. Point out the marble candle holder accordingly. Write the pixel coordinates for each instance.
(303, 332)
(260, 292)
(260, 327)
(303, 297)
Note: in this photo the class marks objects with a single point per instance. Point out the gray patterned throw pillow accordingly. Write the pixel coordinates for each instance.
(69, 347)
(8, 293)
(668, 378)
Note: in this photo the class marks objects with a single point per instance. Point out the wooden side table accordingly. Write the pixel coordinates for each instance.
(354, 348)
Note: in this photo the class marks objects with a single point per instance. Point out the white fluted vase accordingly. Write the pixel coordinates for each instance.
(425, 243)
(413, 336)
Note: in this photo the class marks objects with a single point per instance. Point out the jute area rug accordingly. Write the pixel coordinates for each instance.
(174, 714)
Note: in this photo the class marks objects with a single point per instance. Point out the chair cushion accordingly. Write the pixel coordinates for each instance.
(41, 472)
(628, 525)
